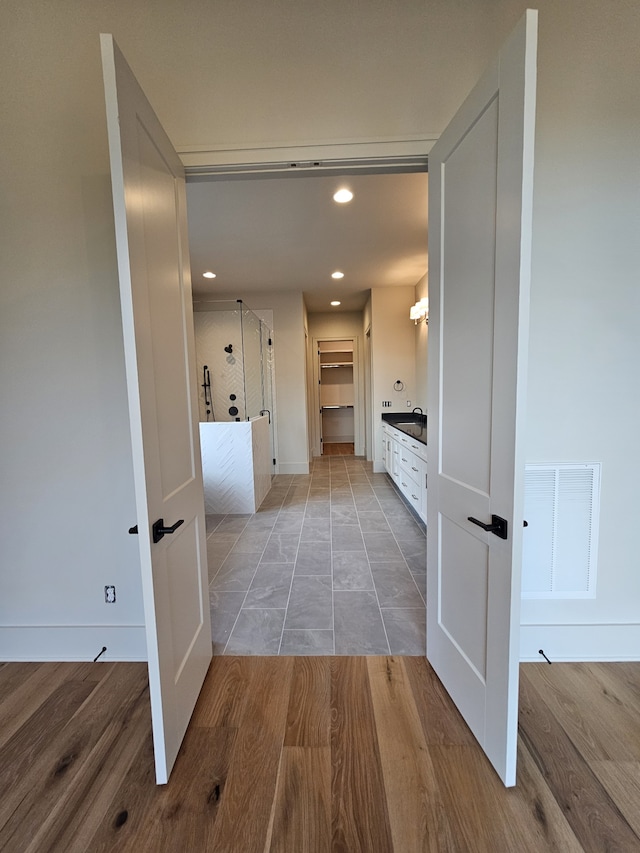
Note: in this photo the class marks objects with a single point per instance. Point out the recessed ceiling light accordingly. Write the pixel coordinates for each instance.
(337, 274)
(208, 275)
(335, 303)
(343, 195)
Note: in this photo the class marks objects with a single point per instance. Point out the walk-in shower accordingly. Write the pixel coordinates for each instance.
(235, 363)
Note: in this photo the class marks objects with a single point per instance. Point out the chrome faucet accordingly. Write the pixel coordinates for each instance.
(417, 409)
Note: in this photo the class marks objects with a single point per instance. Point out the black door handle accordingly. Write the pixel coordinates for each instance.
(159, 530)
(498, 525)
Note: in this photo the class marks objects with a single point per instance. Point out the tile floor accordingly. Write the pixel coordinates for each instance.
(333, 562)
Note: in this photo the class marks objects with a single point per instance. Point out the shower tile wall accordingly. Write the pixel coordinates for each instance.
(214, 330)
(332, 563)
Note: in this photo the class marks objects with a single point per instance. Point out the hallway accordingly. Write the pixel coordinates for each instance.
(332, 563)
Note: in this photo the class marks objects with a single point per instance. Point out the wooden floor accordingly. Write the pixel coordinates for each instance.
(338, 449)
(316, 754)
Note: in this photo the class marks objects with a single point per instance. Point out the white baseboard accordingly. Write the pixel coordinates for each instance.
(294, 468)
(612, 642)
(378, 467)
(72, 642)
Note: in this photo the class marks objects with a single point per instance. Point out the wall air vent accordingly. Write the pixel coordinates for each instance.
(562, 507)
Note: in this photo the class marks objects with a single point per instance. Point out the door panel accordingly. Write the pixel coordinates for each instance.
(467, 348)
(480, 197)
(155, 293)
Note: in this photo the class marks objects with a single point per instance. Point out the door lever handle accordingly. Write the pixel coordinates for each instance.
(159, 530)
(498, 525)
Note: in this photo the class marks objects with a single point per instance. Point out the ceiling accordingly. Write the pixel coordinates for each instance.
(287, 234)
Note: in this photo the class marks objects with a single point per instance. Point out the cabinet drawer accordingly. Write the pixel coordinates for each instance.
(411, 490)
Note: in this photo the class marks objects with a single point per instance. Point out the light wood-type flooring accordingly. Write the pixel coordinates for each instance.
(338, 449)
(316, 754)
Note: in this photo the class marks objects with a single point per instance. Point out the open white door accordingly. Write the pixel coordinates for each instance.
(155, 291)
(480, 201)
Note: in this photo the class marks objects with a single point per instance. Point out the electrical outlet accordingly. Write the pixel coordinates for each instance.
(110, 594)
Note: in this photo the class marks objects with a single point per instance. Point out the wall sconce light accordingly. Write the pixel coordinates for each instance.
(420, 311)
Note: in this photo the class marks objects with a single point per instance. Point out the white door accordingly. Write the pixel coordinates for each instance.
(480, 200)
(155, 291)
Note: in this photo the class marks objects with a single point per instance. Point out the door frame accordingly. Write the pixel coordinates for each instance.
(358, 420)
(394, 158)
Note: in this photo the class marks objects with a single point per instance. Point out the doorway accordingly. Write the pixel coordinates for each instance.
(336, 389)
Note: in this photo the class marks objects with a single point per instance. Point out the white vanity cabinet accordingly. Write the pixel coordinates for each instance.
(405, 460)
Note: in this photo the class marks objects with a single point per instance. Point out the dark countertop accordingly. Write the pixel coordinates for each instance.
(413, 424)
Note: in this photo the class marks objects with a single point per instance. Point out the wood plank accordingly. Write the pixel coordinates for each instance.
(622, 782)
(223, 697)
(473, 797)
(534, 815)
(416, 809)
(301, 818)
(244, 817)
(21, 757)
(580, 702)
(78, 774)
(72, 821)
(176, 816)
(61, 758)
(26, 686)
(360, 821)
(123, 823)
(309, 713)
(593, 816)
(441, 721)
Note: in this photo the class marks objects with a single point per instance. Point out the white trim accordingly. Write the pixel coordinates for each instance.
(358, 153)
(72, 642)
(294, 468)
(613, 641)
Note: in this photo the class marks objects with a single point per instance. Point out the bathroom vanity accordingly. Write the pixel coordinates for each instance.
(404, 455)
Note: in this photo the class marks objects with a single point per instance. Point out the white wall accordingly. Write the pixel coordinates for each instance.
(232, 75)
(393, 357)
(422, 336)
(585, 349)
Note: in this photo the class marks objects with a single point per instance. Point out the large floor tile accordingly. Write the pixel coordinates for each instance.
(281, 548)
(406, 630)
(318, 509)
(381, 546)
(351, 571)
(316, 530)
(225, 607)
(395, 585)
(314, 558)
(251, 541)
(236, 573)
(289, 522)
(358, 624)
(270, 587)
(299, 567)
(256, 632)
(306, 642)
(310, 603)
(346, 537)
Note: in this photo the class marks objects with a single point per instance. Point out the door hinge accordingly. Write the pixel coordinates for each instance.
(274, 461)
